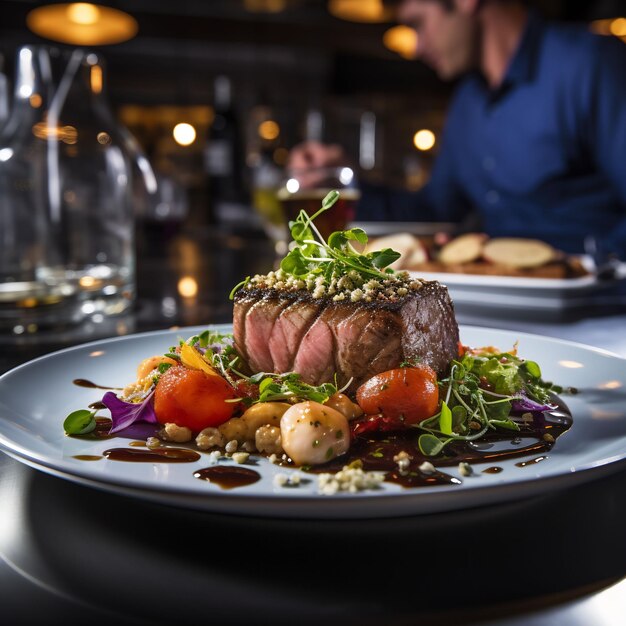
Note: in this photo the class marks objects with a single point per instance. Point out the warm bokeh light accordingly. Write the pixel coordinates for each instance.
(188, 287)
(618, 27)
(35, 101)
(360, 10)
(89, 282)
(424, 140)
(401, 40)
(614, 26)
(611, 384)
(184, 134)
(269, 130)
(82, 24)
(96, 79)
(83, 13)
(66, 134)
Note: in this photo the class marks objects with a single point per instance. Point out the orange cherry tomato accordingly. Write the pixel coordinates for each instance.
(193, 399)
(407, 393)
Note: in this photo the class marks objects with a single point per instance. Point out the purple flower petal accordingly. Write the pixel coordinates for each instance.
(139, 430)
(524, 403)
(123, 414)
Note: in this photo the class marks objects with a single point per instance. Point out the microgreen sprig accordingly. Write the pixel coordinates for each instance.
(481, 391)
(290, 387)
(312, 255)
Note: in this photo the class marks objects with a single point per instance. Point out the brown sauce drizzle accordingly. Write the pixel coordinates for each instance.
(534, 461)
(156, 455)
(81, 382)
(101, 431)
(97, 405)
(87, 457)
(376, 451)
(228, 477)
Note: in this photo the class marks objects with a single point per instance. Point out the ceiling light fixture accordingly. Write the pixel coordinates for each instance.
(360, 10)
(82, 24)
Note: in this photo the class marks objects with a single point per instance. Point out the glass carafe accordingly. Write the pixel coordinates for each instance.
(66, 212)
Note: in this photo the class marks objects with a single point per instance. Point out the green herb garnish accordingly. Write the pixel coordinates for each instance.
(80, 422)
(479, 396)
(311, 257)
(279, 387)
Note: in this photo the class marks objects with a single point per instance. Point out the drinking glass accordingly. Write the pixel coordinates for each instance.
(66, 211)
(304, 190)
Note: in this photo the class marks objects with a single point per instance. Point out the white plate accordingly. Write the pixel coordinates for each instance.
(516, 292)
(36, 397)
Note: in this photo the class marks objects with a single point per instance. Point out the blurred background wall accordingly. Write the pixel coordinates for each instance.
(295, 69)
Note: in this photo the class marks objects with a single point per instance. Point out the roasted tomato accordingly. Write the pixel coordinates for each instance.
(192, 398)
(407, 393)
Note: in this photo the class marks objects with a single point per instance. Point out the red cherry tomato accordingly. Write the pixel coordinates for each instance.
(193, 399)
(407, 393)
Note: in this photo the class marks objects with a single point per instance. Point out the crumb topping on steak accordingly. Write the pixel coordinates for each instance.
(350, 287)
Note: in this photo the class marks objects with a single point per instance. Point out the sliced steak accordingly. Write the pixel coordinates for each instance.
(283, 331)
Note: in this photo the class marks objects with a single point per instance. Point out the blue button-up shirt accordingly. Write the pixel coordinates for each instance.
(543, 156)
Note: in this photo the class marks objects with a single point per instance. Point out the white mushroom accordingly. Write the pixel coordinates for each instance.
(313, 433)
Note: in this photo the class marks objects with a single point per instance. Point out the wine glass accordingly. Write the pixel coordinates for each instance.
(304, 190)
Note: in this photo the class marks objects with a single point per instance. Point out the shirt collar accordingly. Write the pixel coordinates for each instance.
(524, 61)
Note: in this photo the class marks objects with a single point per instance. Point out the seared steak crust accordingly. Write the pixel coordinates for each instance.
(283, 331)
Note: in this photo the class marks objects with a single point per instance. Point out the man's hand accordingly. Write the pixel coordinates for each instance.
(309, 162)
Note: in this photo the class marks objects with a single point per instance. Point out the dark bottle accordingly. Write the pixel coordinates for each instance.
(223, 158)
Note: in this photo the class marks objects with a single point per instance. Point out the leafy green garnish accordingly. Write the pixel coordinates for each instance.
(430, 445)
(311, 256)
(480, 393)
(278, 387)
(80, 422)
(445, 419)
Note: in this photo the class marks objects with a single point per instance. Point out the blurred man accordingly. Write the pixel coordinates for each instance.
(535, 138)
